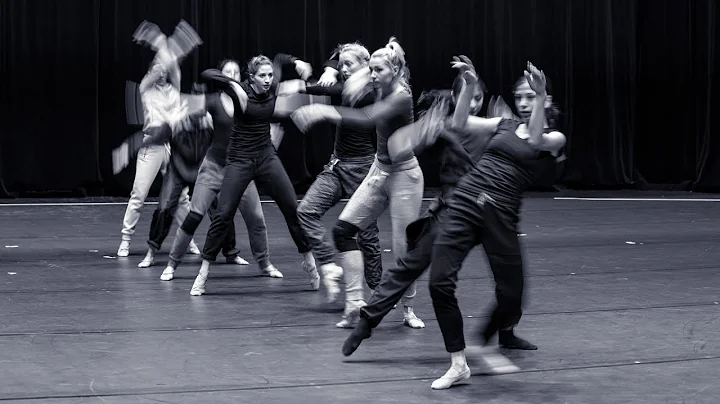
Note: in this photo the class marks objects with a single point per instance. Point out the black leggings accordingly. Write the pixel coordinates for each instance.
(472, 219)
(270, 176)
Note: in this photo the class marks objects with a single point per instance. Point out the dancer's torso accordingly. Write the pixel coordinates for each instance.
(397, 112)
(222, 128)
(508, 167)
(353, 142)
(251, 129)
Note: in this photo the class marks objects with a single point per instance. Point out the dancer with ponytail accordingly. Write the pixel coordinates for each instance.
(251, 156)
(484, 209)
(160, 96)
(209, 181)
(394, 183)
(439, 112)
(350, 162)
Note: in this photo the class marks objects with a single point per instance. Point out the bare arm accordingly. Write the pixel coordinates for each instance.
(551, 141)
(231, 87)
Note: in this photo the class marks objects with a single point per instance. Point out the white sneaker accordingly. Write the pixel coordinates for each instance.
(272, 272)
(332, 275)
(193, 248)
(168, 274)
(411, 320)
(124, 249)
(453, 376)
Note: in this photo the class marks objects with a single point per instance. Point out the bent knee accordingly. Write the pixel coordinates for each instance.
(344, 236)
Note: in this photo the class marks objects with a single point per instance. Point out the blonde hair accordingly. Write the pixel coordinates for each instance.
(395, 55)
(356, 48)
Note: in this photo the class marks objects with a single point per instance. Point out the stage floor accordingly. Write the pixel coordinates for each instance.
(623, 302)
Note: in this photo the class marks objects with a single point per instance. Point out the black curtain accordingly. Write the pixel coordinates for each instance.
(634, 78)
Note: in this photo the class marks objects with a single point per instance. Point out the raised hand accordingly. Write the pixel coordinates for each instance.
(183, 40)
(536, 79)
(466, 68)
(149, 34)
(304, 69)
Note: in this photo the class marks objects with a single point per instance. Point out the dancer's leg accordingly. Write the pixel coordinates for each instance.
(502, 247)
(271, 177)
(324, 193)
(406, 191)
(149, 162)
(252, 213)
(396, 280)
(172, 188)
(238, 175)
(364, 207)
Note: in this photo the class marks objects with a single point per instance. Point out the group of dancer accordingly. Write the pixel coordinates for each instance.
(223, 144)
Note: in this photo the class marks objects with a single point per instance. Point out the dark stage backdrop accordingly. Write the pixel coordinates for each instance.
(634, 78)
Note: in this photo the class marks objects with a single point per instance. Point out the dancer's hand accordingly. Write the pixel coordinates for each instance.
(328, 78)
(536, 79)
(149, 34)
(466, 68)
(120, 158)
(183, 40)
(291, 87)
(307, 116)
(304, 69)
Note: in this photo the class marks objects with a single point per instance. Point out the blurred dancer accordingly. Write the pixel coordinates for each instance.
(394, 183)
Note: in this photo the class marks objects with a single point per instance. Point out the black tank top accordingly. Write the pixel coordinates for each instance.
(508, 167)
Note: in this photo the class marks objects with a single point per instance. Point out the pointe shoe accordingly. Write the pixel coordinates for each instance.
(451, 377)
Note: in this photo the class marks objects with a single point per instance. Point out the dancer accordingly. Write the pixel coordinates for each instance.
(435, 108)
(160, 95)
(350, 162)
(397, 183)
(251, 156)
(484, 210)
(208, 184)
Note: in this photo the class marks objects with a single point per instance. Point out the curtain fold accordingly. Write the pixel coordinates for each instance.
(634, 79)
